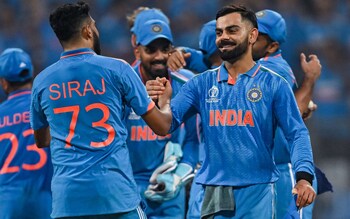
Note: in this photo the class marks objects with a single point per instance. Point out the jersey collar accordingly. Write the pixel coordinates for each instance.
(77, 52)
(224, 76)
(18, 93)
(273, 55)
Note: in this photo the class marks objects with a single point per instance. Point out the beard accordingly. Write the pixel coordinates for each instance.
(96, 45)
(155, 72)
(234, 54)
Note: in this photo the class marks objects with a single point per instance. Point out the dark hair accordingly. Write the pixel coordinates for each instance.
(245, 13)
(67, 20)
(18, 84)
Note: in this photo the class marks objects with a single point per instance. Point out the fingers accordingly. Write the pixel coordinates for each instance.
(176, 60)
(305, 194)
(155, 88)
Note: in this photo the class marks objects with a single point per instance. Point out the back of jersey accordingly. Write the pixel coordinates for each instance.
(25, 170)
(82, 98)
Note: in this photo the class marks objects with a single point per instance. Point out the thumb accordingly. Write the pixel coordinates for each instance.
(294, 191)
(187, 55)
(302, 57)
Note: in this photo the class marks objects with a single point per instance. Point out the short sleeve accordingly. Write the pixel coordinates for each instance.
(134, 91)
(37, 116)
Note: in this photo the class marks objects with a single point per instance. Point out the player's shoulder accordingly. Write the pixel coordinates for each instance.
(108, 62)
(213, 72)
(271, 74)
(44, 74)
(182, 75)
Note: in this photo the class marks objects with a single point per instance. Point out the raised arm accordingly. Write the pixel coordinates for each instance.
(303, 96)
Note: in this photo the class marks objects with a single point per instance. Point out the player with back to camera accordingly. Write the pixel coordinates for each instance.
(25, 170)
(78, 110)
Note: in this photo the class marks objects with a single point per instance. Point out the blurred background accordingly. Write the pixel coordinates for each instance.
(314, 26)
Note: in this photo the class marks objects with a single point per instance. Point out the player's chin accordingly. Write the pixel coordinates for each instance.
(160, 71)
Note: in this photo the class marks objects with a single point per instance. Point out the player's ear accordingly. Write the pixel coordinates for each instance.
(253, 35)
(4, 84)
(86, 32)
(273, 47)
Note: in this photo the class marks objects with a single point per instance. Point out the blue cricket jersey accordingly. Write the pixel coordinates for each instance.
(25, 169)
(196, 61)
(146, 148)
(278, 65)
(239, 120)
(83, 97)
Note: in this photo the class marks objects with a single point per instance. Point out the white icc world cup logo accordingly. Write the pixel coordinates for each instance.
(213, 94)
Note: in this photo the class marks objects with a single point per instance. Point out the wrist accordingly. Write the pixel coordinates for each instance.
(305, 176)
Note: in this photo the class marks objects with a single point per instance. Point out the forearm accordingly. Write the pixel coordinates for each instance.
(42, 137)
(159, 120)
(304, 94)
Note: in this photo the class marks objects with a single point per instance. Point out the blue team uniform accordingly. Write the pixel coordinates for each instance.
(25, 170)
(286, 181)
(83, 97)
(238, 140)
(147, 152)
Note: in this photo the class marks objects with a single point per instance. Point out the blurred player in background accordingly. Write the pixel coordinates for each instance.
(234, 107)
(138, 17)
(25, 170)
(155, 157)
(78, 110)
(272, 33)
(207, 57)
(2, 94)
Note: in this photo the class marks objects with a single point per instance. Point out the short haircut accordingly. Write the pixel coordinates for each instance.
(67, 20)
(245, 13)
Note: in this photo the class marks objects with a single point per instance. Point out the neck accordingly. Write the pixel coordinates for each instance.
(240, 66)
(67, 46)
(27, 86)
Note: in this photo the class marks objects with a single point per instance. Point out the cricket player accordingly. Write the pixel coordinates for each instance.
(272, 34)
(241, 103)
(78, 110)
(2, 95)
(205, 58)
(25, 169)
(150, 152)
(137, 18)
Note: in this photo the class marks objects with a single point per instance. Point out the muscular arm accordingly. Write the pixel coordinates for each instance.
(42, 137)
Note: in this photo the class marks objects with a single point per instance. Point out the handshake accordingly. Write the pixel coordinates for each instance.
(167, 180)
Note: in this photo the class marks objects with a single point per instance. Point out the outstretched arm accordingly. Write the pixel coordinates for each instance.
(159, 119)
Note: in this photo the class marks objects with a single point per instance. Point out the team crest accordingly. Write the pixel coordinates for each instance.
(156, 28)
(254, 95)
(213, 94)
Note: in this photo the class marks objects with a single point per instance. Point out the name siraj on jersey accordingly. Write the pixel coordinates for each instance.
(70, 88)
